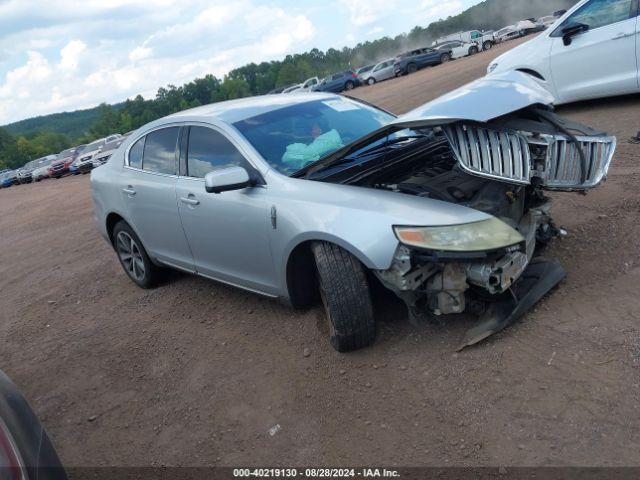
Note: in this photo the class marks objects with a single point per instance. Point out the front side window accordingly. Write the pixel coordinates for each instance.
(135, 154)
(210, 150)
(292, 137)
(160, 151)
(599, 13)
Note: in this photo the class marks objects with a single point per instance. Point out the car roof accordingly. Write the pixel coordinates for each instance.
(232, 111)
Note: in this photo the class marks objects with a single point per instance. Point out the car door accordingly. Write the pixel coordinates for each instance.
(386, 71)
(336, 84)
(600, 61)
(458, 49)
(227, 232)
(148, 189)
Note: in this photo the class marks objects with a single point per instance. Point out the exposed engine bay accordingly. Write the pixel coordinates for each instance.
(501, 168)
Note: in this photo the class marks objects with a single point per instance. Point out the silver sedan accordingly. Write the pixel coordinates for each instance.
(315, 197)
(382, 71)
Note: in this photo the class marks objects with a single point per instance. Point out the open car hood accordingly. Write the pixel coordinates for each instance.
(480, 101)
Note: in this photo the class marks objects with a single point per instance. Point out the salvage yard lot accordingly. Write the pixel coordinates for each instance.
(196, 373)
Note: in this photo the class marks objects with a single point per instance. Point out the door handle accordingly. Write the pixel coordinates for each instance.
(129, 191)
(190, 200)
(623, 35)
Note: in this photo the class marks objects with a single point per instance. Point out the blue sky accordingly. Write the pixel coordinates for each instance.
(60, 55)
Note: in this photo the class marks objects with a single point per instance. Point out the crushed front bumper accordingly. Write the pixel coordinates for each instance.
(537, 280)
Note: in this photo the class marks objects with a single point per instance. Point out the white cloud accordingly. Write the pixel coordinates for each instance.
(108, 51)
(140, 53)
(365, 12)
(436, 9)
(70, 55)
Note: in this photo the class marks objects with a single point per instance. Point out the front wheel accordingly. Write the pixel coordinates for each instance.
(346, 298)
(473, 50)
(412, 68)
(371, 81)
(133, 257)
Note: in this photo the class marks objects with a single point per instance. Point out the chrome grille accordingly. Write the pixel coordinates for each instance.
(563, 167)
(491, 153)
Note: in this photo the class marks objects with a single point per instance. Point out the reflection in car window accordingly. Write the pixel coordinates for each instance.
(209, 150)
(599, 13)
(292, 137)
(135, 154)
(160, 151)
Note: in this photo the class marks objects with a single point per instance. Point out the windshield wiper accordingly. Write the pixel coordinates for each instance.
(318, 166)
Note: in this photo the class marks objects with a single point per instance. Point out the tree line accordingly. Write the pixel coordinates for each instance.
(251, 79)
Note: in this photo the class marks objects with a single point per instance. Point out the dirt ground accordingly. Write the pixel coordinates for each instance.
(196, 373)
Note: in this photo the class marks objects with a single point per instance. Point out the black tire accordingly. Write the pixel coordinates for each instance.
(488, 45)
(371, 81)
(445, 58)
(152, 273)
(412, 68)
(346, 298)
(473, 50)
(349, 85)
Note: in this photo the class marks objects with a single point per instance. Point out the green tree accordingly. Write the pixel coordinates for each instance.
(108, 122)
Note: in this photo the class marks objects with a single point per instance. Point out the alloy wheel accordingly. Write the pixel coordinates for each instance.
(131, 256)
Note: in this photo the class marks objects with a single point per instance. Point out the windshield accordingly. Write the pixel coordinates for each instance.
(293, 137)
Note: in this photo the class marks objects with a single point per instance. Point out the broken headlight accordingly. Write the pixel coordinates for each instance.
(489, 234)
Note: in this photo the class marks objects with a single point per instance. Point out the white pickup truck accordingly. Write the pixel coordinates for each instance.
(485, 40)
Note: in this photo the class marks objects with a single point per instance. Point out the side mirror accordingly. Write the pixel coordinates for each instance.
(226, 179)
(571, 31)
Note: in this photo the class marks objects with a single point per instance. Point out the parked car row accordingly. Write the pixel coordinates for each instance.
(444, 49)
(527, 27)
(76, 160)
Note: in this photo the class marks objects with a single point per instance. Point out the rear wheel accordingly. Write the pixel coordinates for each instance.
(445, 58)
(371, 81)
(346, 298)
(412, 68)
(488, 45)
(349, 85)
(133, 257)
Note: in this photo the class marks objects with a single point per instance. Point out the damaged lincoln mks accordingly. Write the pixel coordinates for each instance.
(314, 197)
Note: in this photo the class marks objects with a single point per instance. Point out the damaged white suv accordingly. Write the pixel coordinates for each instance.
(315, 196)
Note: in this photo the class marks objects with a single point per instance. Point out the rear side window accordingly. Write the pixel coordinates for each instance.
(135, 154)
(209, 150)
(160, 151)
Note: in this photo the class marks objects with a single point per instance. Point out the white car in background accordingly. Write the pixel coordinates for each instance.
(548, 20)
(292, 88)
(459, 48)
(42, 170)
(107, 150)
(590, 52)
(309, 84)
(507, 33)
